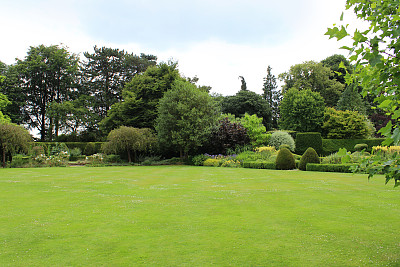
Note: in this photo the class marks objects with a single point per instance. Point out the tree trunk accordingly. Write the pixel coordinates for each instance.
(4, 158)
(129, 156)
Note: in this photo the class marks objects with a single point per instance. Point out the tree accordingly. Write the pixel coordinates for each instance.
(302, 110)
(141, 97)
(107, 70)
(13, 138)
(351, 100)
(3, 103)
(128, 140)
(314, 76)
(48, 74)
(186, 117)
(344, 125)
(339, 70)
(247, 102)
(255, 129)
(272, 96)
(375, 55)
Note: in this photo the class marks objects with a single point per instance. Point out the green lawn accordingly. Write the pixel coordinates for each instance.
(196, 216)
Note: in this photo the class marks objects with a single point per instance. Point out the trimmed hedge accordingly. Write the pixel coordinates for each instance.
(329, 167)
(331, 146)
(306, 140)
(259, 165)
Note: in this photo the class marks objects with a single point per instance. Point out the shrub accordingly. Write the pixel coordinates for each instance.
(360, 147)
(310, 156)
(333, 145)
(259, 165)
(19, 161)
(285, 160)
(211, 162)
(306, 140)
(199, 159)
(89, 149)
(282, 138)
(329, 167)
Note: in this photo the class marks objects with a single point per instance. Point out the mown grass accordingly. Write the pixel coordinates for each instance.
(196, 216)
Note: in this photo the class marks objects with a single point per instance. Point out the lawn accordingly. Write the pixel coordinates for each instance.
(196, 216)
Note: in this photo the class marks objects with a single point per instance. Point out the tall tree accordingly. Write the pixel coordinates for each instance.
(141, 96)
(314, 76)
(339, 70)
(302, 111)
(243, 87)
(107, 70)
(351, 100)
(48, 74)
(272, 96)
(247, 102)
(186, 117)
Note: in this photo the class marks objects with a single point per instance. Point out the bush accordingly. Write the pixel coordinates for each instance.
(199, 159)
(282, 138)
(285, 160)
(259, 165)
(360, 147)
(333, 145)
(89, 149)
(211, 162)
(19, 161)
(306, 140)
(310, 156)
(75, 153)
(329, 167)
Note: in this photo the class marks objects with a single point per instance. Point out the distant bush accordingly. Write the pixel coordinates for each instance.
(285, 160)
(282, 138)
(310, 156)
(333, 145)
(259, 165)
(360, 147)
(199, 159)
(89, 149)
(211, 162)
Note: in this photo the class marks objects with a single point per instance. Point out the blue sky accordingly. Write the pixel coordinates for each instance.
(215, 40)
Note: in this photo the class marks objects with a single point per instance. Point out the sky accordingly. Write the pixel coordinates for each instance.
(215, 40)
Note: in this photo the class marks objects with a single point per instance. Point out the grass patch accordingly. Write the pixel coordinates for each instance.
(196, 216)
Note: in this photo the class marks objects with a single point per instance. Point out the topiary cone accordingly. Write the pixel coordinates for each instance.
(310, 156)
(285, 160)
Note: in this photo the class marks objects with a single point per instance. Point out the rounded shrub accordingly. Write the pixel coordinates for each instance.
(285, 160)
(89, 149)
(282, 138)
(360, 147)
(310, 156)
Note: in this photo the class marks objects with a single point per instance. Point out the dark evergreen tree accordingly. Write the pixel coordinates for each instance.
(351, 100)
(272, 96)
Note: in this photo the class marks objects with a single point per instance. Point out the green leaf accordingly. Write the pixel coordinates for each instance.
(341, 17)
(396, 136)
(387, 130)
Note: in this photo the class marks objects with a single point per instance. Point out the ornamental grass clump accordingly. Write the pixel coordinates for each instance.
(310, 156)
(285, 160)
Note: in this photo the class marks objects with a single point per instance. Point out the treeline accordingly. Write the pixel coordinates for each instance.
(66, 98)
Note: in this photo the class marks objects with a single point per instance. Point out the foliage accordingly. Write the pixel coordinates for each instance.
(315, 77)
(344, 125)
(259, 165)
(351, 100)
(3, 104)
(345, 168)
(89, 149)
(247, 102)
(48, 74)
(375, 53)
(186, 117)
(255, 130)
(282, 138)
(333, 145)
(310, 156)
(141, 98)
(301, 110)
(198, 160)
(285, 160)
(228, 134)
(360, 147)
(13, 139)
(306, 140)
(272, 96)
(340, 67)
(212, 162)
(128, 140)
(107, 70)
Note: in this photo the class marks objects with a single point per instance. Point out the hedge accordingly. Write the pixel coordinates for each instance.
(331, 146)
(306, 140)
(259, 165)
(329, 167)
